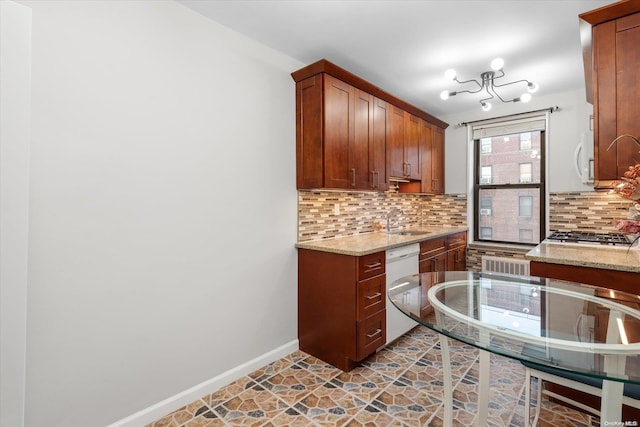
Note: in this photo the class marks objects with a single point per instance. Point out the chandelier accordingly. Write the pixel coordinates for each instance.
(488, 83)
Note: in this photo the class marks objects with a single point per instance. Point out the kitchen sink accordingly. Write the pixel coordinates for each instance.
(409, 233)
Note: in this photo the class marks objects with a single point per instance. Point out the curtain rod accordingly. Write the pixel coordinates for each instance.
(550, 109)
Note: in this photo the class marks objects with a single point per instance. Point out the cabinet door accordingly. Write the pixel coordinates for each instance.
(338, 113)
(616, 93)
(378, 146)
(359, 159)
(426, 148)
(395, 142)
(437, 161)
(309, 143)
(457, 259)
(412, 146)
(627, 90)
(434, 263)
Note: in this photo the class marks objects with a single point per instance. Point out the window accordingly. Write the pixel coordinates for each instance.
(526, 234)
(485, 145)
(485, 175)
(486, 205)
(525, 141)
(525, 206)
(509, 181)
(526, 172)
(486, 233)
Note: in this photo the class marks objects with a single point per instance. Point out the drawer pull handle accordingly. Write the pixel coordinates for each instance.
(374, 296)
(374, 265)
(373, 334)
(353, 175)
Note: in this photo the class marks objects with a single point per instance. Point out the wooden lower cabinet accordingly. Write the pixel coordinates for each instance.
(444, 253)
(618, 280)
(448, 253)
(625, 281)
(341, 306)
(433, 255)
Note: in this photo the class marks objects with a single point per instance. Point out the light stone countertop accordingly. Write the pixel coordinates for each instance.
(606, 257)
(368, 243)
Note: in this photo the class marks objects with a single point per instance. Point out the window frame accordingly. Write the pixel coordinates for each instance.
(541, 187)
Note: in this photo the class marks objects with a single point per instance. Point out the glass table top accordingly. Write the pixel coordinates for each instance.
(553, 323)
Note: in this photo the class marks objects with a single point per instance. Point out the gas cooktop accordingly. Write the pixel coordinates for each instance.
(587, 237)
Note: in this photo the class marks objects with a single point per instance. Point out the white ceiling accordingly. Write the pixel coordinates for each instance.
(404, 47)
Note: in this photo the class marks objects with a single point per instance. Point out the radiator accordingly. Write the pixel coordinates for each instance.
(493, 264)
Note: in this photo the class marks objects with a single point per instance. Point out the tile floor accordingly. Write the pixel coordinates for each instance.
(398, 386)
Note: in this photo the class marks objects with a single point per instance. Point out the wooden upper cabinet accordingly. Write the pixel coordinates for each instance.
(412, 146)
(378, 146)
(432, 152)
(360, 164)
(309, 137)
(352, 135)
(338, 125)
(403, 144)
(437, 161)
(395, 142)
(426, 149)
(341, 136)
(613, 50)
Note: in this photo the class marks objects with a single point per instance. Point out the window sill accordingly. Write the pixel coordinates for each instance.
(501, 246)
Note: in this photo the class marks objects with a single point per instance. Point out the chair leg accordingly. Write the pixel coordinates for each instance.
(527, 395)
(538, 403)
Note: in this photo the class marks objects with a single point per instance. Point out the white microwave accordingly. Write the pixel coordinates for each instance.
(583, 158)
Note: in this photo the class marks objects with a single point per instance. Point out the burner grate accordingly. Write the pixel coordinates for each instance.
(590, 237)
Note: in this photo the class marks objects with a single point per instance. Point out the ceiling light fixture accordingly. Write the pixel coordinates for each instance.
(488, 83)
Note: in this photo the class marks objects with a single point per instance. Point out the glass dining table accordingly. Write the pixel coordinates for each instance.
(571, 327)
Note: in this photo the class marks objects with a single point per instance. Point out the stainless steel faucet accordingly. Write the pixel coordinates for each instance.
(393, 212)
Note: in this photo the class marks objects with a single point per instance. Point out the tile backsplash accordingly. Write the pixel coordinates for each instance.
(362, 212)
(586, 211)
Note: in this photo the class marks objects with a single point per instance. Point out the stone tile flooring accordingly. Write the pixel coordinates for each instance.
(399, 386)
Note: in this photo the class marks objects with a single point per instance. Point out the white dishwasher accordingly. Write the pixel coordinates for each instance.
(402, 261)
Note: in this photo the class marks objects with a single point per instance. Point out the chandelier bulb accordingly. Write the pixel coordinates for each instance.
(444, 95)
(450, 74)
(532, 87)
(486, 106)
(525, 97)
(497, 64)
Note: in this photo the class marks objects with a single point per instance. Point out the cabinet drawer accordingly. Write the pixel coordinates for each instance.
(371, 296)
(432, 247)
(371, 265)
(371, 334)
(456, 240)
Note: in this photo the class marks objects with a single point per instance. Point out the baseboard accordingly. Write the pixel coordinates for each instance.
(177, 401)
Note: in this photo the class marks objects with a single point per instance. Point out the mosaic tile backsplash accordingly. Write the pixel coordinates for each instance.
(586, 211)
(362, 212)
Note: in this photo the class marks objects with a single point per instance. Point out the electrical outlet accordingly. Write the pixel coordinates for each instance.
(336, 209)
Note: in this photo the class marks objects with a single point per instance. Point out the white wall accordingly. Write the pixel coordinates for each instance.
(163, 207)
(565, 129)
(15, 86)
